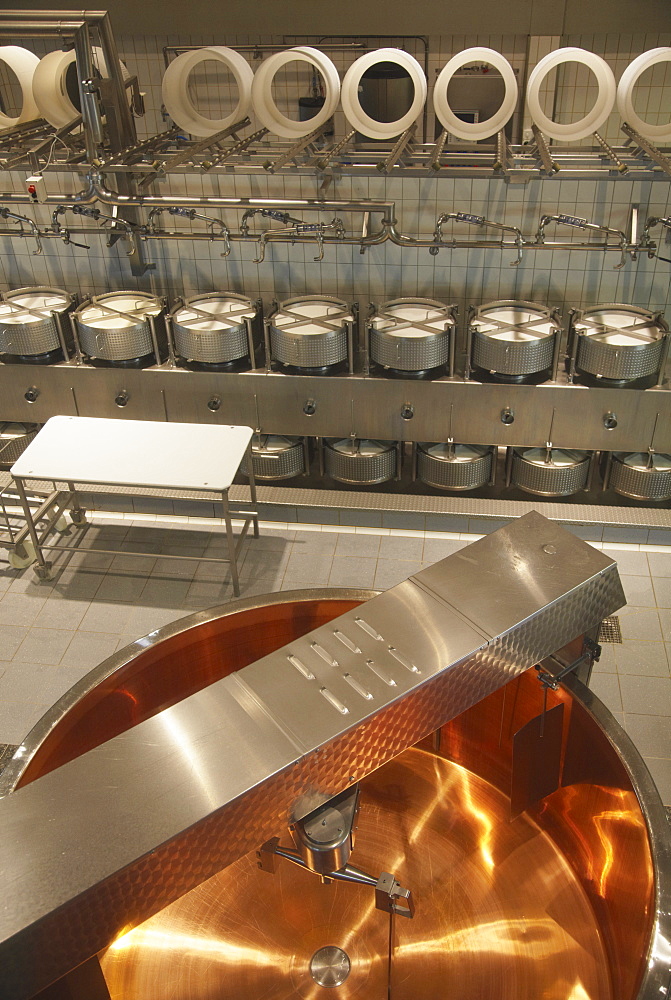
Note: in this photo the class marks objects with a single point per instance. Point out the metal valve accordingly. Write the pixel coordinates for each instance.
(610, 421)
(309, 407)
(121, 397)
(407, 411)
(31, 394)
(214, 403)
(507, 416)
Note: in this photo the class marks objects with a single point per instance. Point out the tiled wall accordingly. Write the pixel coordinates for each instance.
(558, 278)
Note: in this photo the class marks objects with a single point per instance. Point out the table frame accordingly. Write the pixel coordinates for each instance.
(61, 500)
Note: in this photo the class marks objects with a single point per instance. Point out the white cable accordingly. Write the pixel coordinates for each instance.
(50, 84)
(24, 64)
(356, 115)
(267, 111)
(175, 89)
(625, 94)
(601, 108)
(476, 130)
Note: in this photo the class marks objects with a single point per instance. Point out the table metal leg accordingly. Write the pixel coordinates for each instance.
(43, 567)
(230, 538)
(252, 489)
(77, 513)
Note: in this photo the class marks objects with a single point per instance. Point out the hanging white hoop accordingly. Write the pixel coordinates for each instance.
(601, 108)
(475, 130)
(356, 115)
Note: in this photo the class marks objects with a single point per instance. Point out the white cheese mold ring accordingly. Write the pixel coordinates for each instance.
(355, 114)
(625, 93)
(50, 84)
(601, 108)
(267, 111)
(175, 89)
(24, 64)
(476, 130)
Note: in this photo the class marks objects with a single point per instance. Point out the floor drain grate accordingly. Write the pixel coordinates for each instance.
(7, 751)
(609, 630)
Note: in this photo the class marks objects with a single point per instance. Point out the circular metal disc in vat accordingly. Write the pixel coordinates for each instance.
(454, 467)
(360, 460)
(500, 914)
(211, 328)
(26, 323)
(310, 332)
(619, 342)
(115, 326)
(411, 335)
(330, 966)
(550, 472)
(641, 476)
(275, 456)
(513, 338)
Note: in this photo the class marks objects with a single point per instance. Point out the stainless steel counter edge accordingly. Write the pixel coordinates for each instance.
(112, 837)
(369, 407)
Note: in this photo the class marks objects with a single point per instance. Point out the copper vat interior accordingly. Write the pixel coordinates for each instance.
(557, 903)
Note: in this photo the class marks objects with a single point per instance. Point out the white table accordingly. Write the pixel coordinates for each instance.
(196, 457)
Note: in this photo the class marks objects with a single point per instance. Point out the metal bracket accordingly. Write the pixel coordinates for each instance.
(401, 144)
(648, 148)
(187, 154)
(437, 151)
(541, 147)
(591, 651)
(622, 168)
(324, 840)
(391, 897)
(292, 153)
(323, 162)
(503, 157)
(237, 147)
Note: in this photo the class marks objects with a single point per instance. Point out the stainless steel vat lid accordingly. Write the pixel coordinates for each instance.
(558, 458)
(514, 321)
(118, 310)
(644, 462)
(363, 447)
(620, 326)
(457, 453)
(32, 305)
(312, 315)
(214, 312)
(273, 444)
(412, 318)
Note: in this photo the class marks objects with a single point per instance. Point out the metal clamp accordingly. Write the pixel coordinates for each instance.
(391, 897)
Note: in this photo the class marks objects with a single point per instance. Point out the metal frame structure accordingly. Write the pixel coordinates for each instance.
(114, 171)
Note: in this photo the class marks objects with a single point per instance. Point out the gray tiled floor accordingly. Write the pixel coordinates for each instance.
(52, 633)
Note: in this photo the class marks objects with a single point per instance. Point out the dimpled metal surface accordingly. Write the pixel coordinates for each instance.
(631, 476)
(140, 820)
(465, 467)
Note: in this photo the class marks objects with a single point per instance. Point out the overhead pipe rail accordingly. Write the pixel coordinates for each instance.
(296, 230)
